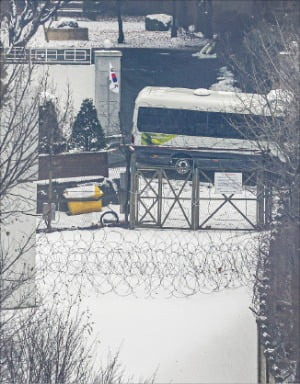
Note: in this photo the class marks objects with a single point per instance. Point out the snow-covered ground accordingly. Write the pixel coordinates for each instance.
(201, 339)
(136, 36)
(145, 289)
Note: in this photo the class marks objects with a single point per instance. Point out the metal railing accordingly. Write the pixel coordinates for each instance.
(18, 55)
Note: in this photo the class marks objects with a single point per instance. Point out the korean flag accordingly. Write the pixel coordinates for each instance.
(113, 80)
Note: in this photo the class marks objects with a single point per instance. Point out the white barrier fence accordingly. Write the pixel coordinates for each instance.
(47, 55)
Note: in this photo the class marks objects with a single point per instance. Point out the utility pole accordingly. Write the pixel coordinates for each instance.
(121, 38)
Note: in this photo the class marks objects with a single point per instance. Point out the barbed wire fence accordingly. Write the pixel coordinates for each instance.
(137, 262)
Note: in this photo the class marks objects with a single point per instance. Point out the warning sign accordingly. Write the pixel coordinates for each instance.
(228, 182)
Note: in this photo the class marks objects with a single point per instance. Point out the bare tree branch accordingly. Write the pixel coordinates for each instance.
(22, 21)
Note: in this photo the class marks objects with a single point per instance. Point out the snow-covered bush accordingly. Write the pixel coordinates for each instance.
(158, 22)
(65, 23)
(226, 81)
(46, 97)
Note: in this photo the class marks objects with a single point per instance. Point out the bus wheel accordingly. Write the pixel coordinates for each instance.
(182, 164)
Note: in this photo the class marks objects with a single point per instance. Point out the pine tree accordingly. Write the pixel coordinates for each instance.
(87, 133)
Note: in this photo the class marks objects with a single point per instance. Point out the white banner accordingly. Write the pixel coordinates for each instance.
(228, 182)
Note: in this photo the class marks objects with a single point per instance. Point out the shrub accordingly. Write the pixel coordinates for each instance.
(87, 133)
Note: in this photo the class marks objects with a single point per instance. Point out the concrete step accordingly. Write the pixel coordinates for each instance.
(71, 13)
(73, 5)
(71, 9)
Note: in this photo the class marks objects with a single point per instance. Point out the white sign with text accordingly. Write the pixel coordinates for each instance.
(228, 182)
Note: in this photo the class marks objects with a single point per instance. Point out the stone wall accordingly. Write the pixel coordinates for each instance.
(68, 34)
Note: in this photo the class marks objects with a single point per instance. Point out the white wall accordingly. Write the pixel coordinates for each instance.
(107, 102)
(80, 79)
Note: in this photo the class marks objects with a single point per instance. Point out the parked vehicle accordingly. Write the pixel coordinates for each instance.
(179, 123)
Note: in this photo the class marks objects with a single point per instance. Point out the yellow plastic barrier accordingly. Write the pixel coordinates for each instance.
(84, 199)
(78, 207)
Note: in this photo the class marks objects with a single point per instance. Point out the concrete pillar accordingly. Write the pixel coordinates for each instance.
(107, 102)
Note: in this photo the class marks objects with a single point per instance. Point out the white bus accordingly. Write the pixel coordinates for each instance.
(188, 120)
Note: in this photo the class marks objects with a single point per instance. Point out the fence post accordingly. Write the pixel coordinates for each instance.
(133, 191)
(268, 204)
(195, 198)
(159, 204)
(260, 200)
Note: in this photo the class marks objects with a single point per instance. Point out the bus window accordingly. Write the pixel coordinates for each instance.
(199, 123)
(187, 122)
(172, 121)
(226, 125)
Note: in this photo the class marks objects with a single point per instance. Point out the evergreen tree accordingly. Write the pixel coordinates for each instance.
(87, 133)
(49, 130)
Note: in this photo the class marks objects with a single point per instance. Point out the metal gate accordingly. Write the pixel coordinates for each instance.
(162, 198)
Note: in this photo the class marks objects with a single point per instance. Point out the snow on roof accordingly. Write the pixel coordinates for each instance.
(70, 179)
(214, 101)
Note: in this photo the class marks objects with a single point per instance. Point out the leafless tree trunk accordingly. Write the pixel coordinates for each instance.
(205, 16)
(174, 20)
(121, 38)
